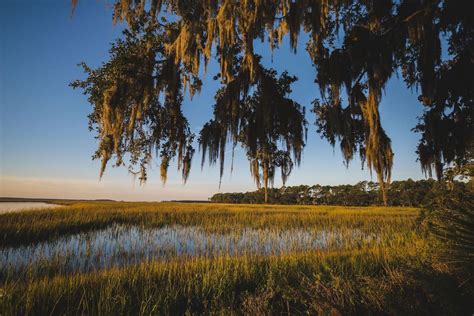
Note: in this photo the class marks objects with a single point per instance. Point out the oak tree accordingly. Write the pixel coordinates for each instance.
(355, 46)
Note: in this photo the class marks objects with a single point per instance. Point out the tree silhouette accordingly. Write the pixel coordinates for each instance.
(356, 46)
(258, 123)
(136, 98)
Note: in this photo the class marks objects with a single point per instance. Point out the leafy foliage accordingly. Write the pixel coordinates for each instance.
(452, 222)
(450, 219)
(136, 98)
(407, 193)
(356, 47)
(258, 123)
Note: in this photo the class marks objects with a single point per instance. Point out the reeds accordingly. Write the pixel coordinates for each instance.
(42, 225)
(387, 272)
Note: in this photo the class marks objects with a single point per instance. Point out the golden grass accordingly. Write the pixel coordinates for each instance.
(392, 276)
(34, 226)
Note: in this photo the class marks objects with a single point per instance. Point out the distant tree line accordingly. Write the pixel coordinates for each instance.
(400, 193)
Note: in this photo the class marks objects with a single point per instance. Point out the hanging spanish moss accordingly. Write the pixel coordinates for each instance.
(378, 151)
(363, 73)
(356, 47)
(137, 97)
(447, 123)
(204, 25)
(269, 126)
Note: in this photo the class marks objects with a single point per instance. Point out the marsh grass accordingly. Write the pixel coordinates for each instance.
(28, 227)
(122, 245)
(348, 283)
(390, 274)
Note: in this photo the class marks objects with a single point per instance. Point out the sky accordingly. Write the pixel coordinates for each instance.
(45, 145)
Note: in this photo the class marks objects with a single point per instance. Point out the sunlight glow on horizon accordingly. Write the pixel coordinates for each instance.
(58, 188)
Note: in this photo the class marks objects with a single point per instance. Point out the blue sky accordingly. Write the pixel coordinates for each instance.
(46, 147)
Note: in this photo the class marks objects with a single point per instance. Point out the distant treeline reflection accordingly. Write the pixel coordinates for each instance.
(400, 193)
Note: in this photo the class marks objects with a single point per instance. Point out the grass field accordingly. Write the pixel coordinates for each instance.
(171, 258)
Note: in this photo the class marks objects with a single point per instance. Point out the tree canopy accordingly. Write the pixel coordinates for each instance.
(258, 122)
(355, 46)
(406, 193)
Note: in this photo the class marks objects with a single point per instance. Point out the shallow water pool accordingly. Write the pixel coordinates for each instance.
(121, 245)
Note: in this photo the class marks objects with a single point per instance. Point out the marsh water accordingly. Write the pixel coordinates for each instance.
(7, 207)
(121, 245)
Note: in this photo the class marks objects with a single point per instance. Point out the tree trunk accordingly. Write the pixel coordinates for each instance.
(265, 180)
(383, 188)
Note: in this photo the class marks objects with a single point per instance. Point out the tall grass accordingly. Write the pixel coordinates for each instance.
(357, 282)
(35, 226)
(391, 276)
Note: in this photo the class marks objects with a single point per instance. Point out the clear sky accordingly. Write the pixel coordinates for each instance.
(46, 148)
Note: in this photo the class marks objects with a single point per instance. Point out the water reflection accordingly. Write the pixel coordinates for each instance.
(122, 245)
(7, 207)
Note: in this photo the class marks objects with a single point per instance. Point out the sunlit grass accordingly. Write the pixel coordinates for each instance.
(34, 226)
(389, 274)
